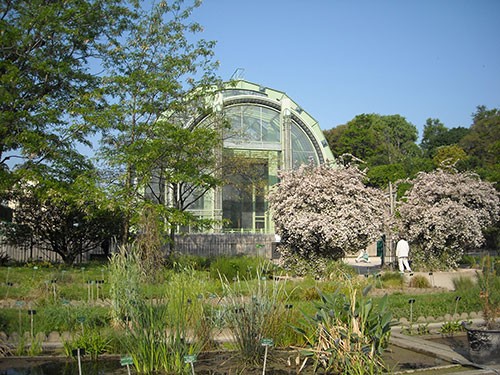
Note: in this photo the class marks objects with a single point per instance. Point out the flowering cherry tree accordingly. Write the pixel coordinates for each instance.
(445, 214)
(326, 212)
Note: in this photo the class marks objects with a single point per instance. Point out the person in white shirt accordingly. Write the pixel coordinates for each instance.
(402, 252)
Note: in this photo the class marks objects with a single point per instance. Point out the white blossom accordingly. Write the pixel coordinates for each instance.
(326, 211)
(444, 214)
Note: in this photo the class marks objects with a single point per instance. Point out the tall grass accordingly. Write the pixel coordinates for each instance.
(255, 316)
(124, 280)
(154, 344)
(242, 267)
(160, 332)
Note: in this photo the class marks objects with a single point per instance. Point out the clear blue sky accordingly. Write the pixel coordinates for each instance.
(341, 58)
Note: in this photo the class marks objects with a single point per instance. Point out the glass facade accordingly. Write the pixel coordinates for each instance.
(264, 132)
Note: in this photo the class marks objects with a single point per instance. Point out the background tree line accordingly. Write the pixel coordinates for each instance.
(388, 145)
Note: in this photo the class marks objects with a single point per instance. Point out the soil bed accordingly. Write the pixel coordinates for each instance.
(280, 362)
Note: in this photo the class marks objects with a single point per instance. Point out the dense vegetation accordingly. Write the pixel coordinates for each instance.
(116, 308)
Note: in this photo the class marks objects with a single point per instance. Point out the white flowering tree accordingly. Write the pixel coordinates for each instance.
(444, 215)
(326, 211)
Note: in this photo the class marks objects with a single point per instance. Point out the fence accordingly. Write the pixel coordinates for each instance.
(194, 244)
(31, 253)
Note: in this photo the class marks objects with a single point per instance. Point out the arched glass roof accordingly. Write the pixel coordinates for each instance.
(257, 116)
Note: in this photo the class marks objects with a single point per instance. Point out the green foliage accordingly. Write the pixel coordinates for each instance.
(46, 81)
(375, 139)
(447, 157)
(148, 246)
(124, 280)
(436, 135)
(347, 334)
(234, 267)
(62, 318)
(420, 330)
(154, 343)
(420, 281)
(257, 316)
(433, 304)
(61, 209)
(489, 283)
(463, 284)
(93, 341)
(147, 145)
(156, 328)
(470, 261)
(391, 280)
(482, 143)
(450, 328)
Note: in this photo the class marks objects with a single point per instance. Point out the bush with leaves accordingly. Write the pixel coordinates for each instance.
(444, 215)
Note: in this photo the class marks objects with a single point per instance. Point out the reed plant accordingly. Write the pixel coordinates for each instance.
(255, 316)
(347, 334)
(124, 280)
(160, 331)
(158, 343)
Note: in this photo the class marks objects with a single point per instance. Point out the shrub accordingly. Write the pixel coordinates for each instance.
(420, 281)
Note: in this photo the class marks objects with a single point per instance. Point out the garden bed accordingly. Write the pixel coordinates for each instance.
(217, 363)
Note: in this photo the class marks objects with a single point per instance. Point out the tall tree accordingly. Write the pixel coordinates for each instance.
(159, 71)
(375, 139)
(482, 143)
(45, 79)
(385, 143)
(436, 135)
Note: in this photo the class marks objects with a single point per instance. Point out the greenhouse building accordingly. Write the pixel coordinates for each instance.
(266, 132)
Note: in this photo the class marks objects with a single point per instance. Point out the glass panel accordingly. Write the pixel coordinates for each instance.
(302, 148)
(252, 125)
(243, 202)
(237, 92)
